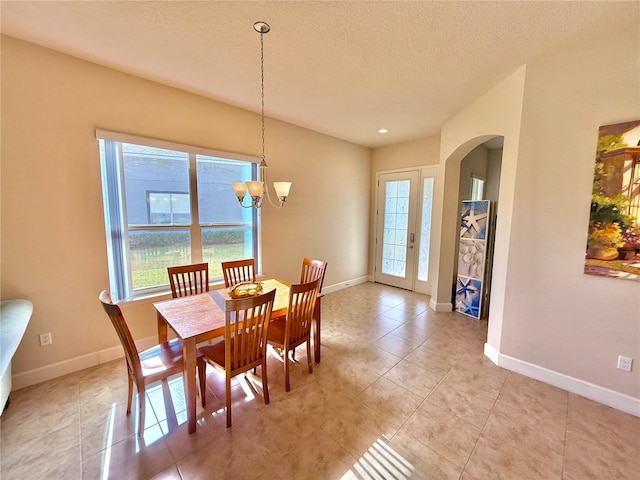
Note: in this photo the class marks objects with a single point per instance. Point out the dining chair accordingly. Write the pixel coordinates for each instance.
(238, 271)
(245, 341)
(286, 333)
(149, 366)
(312, 270)
(188, 280)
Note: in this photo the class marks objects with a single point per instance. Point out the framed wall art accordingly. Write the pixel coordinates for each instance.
(613, 235)
(472, 257)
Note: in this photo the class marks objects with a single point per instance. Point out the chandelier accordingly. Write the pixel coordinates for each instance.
(257, 189)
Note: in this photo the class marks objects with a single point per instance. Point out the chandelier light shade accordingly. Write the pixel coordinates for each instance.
(257, 189)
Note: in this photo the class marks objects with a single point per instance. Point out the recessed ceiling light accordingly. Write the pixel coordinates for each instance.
(383, 130)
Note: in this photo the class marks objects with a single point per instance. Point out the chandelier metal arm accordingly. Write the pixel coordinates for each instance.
(263, 177)
(254, 203)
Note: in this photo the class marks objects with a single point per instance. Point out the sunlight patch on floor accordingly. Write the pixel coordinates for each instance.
(380, 462)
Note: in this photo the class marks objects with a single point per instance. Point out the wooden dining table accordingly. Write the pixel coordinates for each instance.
(199, 318)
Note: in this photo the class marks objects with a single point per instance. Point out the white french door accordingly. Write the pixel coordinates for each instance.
(396, 234)
(403, 228)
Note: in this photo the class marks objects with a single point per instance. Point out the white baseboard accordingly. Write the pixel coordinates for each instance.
(49, 372)
(349, 283)
(440, 307)
(611, 398)
(491, 353)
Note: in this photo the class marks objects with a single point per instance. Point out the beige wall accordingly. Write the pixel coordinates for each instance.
(53, 239)
(554, 315)
(494, 165)
(424, 151)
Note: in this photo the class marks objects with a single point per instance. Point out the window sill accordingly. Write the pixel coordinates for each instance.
(159, 295)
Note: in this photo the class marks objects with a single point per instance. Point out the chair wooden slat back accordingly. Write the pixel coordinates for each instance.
(302, 301)
(238, 271)
(246, 326)
(312, 270)
(188, 280)
(124, 334)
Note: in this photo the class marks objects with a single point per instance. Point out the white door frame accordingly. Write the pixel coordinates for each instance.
(427, 171)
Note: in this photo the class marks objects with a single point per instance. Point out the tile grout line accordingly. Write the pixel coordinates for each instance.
(484, 426)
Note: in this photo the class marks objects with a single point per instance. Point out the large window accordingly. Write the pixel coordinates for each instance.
(168, 204)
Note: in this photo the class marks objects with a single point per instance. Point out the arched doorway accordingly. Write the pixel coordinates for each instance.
(446, 231)
(479, 181)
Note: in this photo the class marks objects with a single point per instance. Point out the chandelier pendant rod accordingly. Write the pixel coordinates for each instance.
(263, 28)
(262, 31)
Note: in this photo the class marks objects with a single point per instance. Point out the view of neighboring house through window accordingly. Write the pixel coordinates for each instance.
(168, 208)
(168, 205)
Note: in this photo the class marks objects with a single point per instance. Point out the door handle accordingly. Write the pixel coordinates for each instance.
(411, 240)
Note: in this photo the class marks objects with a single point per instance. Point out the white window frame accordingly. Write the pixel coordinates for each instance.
(117, 227)
(478, 184)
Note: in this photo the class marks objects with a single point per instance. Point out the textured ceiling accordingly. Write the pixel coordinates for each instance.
(343, 68)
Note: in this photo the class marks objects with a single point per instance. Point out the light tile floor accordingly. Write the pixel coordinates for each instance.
(401, 392)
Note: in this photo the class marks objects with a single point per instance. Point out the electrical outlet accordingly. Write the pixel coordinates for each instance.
(45, 339)
(624, 363)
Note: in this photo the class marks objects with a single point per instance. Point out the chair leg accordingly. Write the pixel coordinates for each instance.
(287, 385)
(141, 405)
(265, 384)
(228, 392)
(130, 397)
(202, 377)
(309, 360)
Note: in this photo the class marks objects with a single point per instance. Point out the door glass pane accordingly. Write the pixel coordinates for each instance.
(391, 205)
(396, 218)
(390, 221)
(403, 205)
(402, 220)
(152, 251)
(425, 230)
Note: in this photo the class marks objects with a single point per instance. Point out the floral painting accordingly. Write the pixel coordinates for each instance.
(613, 237)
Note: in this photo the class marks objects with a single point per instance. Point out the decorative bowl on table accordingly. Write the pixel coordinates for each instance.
(246, 289)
